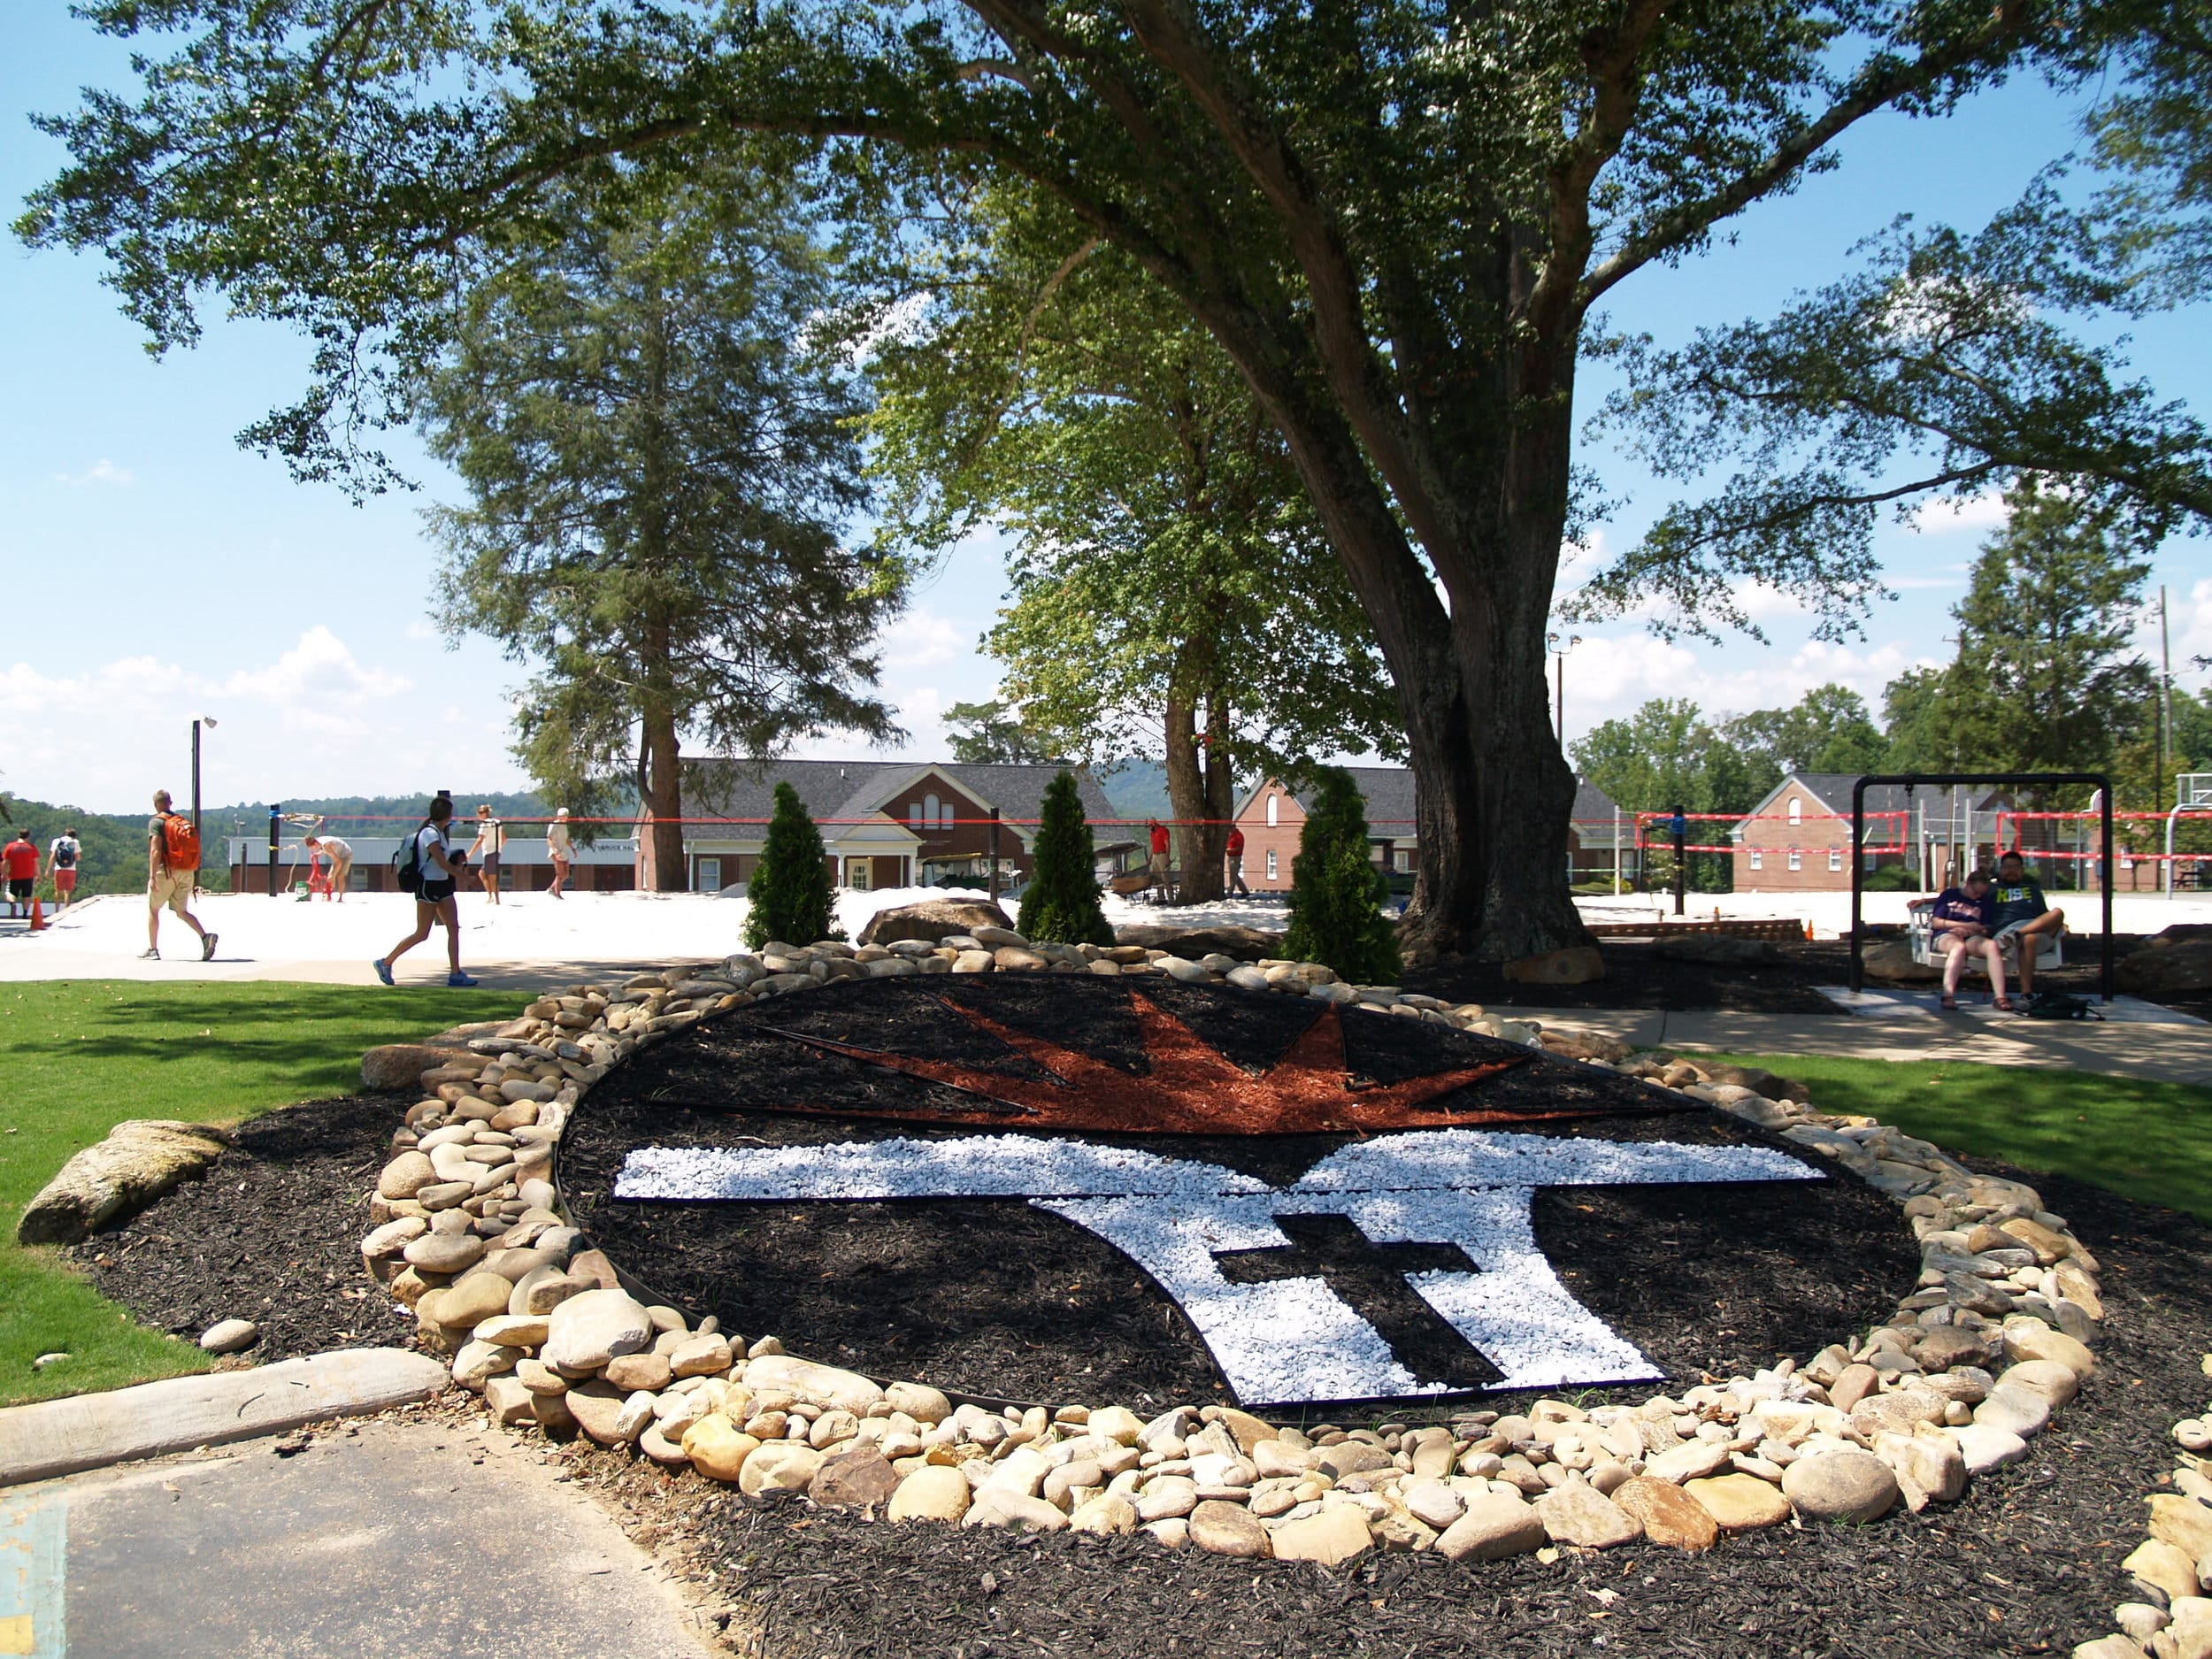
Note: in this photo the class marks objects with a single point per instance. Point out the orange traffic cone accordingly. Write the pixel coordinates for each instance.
(38, 917)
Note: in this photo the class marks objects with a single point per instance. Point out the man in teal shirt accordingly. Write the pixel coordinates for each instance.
(2022, 918)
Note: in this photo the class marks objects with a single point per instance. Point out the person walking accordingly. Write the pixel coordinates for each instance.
(21, 858)
(433, 870)
(1235, 851)
(1159, 862)
(559, 850)
(491, 840)
(62, 859)
(173, 871)
(340, 856)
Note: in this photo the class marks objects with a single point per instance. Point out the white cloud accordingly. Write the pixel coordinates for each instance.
(1944, 514)
(421, 628)
(1609, 676)
(101, 471)
(922, 638)
(314, 721)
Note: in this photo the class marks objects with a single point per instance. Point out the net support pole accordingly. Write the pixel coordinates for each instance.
(276, 825)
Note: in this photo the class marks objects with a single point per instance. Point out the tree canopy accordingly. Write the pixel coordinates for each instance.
(659, 472)
(1396, 220)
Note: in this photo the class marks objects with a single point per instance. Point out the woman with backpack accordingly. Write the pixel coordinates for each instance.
(431, 870)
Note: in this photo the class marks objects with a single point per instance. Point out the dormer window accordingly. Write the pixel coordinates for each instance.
(1797, 810)
(930, 811)
(1274, 810)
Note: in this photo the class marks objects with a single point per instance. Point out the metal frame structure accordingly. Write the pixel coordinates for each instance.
(1911, 780)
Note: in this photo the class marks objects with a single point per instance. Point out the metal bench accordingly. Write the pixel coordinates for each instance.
(2050, 954)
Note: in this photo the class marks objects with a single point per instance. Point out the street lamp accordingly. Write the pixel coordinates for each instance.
(207, 720)
(1552, 644)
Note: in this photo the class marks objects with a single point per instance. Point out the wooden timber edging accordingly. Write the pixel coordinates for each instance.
(1779, 929)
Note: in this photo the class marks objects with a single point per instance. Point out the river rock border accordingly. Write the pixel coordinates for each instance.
(470, 1235)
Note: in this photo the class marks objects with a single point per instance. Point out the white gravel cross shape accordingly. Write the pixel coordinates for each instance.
(1294, 1341)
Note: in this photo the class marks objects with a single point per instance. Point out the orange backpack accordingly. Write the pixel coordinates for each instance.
(180, 842)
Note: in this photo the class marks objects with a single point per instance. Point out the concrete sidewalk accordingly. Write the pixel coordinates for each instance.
(2179, 1053)
(402, 1538)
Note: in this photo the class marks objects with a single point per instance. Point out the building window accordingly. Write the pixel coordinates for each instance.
(1873, 860)
(1404, 857)
(914, 815)
(930, 811)
(856, 873)
(1758, 859)
(1271, 821)
(1835, 859)
(1797, 810)
(708, 877)
(1797, 861)
(944, 815)
(1271, 851)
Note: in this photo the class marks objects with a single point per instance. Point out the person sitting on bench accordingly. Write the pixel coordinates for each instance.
(1960, 919)
(2024, 918)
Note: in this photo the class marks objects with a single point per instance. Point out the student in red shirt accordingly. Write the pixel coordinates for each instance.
(1159, 862)
(22, 857)
(1236, 862)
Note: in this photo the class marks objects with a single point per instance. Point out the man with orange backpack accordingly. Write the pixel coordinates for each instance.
(172, 870)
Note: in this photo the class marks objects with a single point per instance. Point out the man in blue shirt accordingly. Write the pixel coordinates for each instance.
(2022, 918)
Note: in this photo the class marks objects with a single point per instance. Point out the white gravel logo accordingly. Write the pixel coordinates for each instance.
(1443, 1218)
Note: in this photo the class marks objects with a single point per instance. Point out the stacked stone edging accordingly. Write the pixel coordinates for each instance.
(2172, 1569)
(471, 1237)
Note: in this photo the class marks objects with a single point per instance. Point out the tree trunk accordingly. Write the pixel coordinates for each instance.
(664, 802)
(1187, 802)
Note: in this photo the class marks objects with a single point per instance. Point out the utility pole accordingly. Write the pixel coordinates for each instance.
(2165, 698)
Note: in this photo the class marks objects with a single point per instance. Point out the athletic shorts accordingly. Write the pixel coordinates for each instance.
(2006, 938)
(21, 886)
(490, 866)
(436, 892)
(65, 881)
(171, 888)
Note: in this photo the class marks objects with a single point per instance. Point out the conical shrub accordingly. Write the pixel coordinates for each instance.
(790, 889)
(1061, 901)
(1337, 889)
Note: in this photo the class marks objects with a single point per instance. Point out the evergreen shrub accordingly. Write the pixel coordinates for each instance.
(1061, 902)
(1337, 889)
(790, 889)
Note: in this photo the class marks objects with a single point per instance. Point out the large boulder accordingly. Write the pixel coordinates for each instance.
(932, 919)
(1577, 964)
(2161, 969)
(400, 1065)
(1891, 959)
(1245, 944)
(138, 1162)
(1717, 950)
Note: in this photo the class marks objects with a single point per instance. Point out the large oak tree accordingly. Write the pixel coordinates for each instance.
(1397, 219)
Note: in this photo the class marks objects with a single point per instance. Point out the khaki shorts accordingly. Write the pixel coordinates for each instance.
(172, 887)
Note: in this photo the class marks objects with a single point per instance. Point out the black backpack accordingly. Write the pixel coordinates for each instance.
(2061, 1005)
(407, 862)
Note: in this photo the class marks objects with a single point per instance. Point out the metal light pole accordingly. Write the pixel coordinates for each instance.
(1552, 644)
(207, 720)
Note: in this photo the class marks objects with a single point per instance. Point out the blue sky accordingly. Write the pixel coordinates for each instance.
(158, 572)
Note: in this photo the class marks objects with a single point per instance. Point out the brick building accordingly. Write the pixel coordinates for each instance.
(883, 823)
(1798, 839)
(1272, 815)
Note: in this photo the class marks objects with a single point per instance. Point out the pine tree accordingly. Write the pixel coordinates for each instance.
(791, 889)
(1061, 902)
(1337, 890)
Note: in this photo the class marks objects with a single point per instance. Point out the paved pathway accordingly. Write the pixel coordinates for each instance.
(2178, 1052)
(405, 1540)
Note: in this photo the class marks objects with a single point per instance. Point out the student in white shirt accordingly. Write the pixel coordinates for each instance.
(559, 849)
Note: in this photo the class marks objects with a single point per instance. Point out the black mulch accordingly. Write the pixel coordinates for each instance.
(1002, 1301)
(271, 1232)
(2027, 1564)
(1637, 976)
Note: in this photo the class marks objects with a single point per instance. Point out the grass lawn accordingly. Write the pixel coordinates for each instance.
(2148, 1141)
(79, 1056)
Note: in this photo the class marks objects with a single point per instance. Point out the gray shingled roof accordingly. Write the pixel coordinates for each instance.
(854, 789)
(1832, 791)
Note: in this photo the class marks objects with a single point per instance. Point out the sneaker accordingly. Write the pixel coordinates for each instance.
(150, 955)
(383, 970)
(458, 977)
(207, 948)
